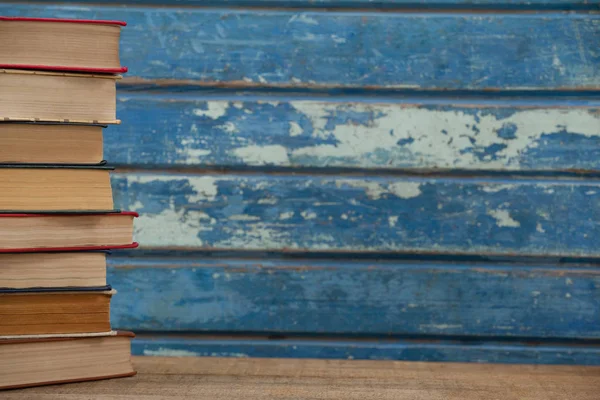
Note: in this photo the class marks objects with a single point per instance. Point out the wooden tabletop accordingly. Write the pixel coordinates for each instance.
(249, 379)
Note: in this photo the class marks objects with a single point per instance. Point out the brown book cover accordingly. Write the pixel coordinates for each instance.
(46, 361)
(54, 311)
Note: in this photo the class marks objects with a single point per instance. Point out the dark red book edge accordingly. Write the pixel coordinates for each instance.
(62, 249)
(64, 69)
(31, 215)
(67, 20)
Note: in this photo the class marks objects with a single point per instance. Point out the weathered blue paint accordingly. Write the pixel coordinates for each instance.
(338, 297)
(337, 49)
(187, 131)
(431, 4)
(363, 214)
(400, 350)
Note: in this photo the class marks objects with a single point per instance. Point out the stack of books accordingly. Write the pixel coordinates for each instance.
(57, 217)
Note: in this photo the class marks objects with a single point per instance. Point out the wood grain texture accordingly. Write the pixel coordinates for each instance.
(363, 214)
(345, 297)
(243, 48)
(190, 131)
(363, 349)
(213, 378)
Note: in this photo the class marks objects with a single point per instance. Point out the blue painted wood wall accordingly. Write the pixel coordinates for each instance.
(358, 179)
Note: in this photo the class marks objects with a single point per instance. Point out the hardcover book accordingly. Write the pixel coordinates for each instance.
(60, 44)
(57, 97)
(48, 270)
(66, 231)
(54, 311)
(55, 188)
(50, 143)
(43, 361)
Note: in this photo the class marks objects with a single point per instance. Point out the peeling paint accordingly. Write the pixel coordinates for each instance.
(286, 215)
(440, 326)
(243, 217)
(164, 352)
(295, 129)
(308, 215)
(261, 155)
(374, 190)
(436, 138)
(215, 110)
(503, 218)
(405, 190)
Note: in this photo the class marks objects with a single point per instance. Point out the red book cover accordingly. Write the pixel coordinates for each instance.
(68, 248)
(65, 68)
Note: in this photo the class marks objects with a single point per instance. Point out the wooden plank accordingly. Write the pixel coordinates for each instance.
(519, 4)
(357, 349)
(283, 48)
(345, 297)
(252, 379)
(190, 131)
(363, 214)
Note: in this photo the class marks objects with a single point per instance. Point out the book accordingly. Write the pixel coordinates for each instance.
(47, 143)
(55, 188)
(45, 361)
(66, 232)
(57, 97)
(60, 44)
(46, 270)
(54, 311)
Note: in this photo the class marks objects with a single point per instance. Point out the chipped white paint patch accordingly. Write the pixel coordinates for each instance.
(337, 39)
(303, 18)
(374, 190)
(173, 227)
(215, 109)
(243, 217)
(286, 215)
(162, 352)
(308, 215)
(539, 228)
(405, 190)
(268, 201)
(498, 188)
(228, 127)
(295, 129)
(271, 103)
(440, 326)
(263, 155)
(393, 220)
(503, 218)
(433, 138)
(191, 156)
(569, 281)
(556, 63)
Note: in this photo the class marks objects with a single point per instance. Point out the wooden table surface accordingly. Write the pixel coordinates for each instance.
(248, 379)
